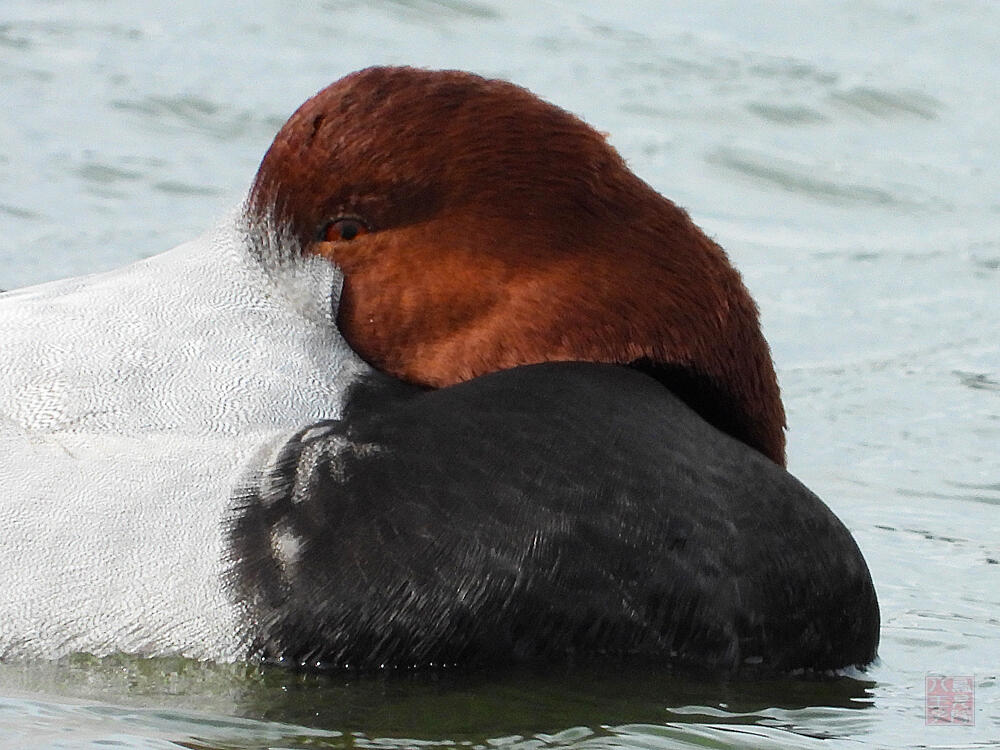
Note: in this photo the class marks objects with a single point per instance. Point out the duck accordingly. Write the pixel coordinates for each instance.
(452, 387)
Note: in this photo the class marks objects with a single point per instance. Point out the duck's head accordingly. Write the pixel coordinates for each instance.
(479, 228)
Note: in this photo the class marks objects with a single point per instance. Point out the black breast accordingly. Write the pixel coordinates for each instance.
(542, 513)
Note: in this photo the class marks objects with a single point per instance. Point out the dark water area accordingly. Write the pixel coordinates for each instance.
(845, 156)
(244, 706)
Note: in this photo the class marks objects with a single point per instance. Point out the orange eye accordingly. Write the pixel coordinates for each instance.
(344, 228)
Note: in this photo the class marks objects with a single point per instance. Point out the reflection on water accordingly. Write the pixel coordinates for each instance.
(557, 705)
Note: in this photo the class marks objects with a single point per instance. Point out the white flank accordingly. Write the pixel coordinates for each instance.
(130, 405)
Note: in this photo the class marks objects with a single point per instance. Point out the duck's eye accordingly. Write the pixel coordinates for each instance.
(344, 228)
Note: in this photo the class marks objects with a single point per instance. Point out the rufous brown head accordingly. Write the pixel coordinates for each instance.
(479, 228)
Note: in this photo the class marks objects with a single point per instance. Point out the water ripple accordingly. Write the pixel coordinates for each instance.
(979, 381)
(426, 9)
(888, 104)
(798, 177)
(787, 114)
(190, 113)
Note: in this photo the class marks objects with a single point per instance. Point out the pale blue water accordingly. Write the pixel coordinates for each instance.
(844, 153)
